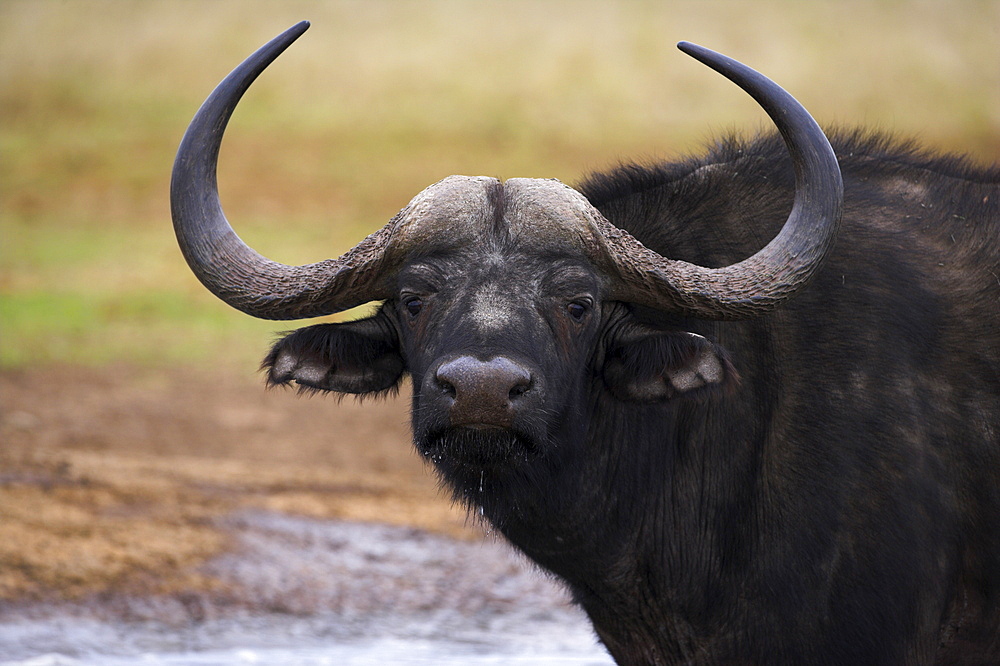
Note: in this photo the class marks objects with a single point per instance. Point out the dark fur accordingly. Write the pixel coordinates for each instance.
(838, 504)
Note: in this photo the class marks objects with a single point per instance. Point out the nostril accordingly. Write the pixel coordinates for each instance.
(446, 387)
(519, 389)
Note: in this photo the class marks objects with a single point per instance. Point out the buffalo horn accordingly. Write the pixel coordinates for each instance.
(759, 283)
(221, 260)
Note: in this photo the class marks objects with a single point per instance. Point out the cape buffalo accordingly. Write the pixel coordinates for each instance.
(618, 378)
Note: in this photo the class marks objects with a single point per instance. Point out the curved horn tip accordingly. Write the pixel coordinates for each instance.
(291, 34)
(287, 37)
(299, 27)
(700, 53)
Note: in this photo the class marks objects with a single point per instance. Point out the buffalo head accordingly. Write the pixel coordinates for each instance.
(506, 302)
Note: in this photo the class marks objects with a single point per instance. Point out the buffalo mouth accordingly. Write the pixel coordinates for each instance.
(465, 455)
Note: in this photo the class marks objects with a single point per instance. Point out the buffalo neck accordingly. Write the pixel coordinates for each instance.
(671, 509)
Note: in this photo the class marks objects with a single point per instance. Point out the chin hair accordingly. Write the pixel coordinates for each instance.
(480, 466)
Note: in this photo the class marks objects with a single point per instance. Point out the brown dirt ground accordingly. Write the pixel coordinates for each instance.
(113, 479)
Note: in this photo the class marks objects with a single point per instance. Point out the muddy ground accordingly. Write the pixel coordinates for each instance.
(190, 517)
(121, 480)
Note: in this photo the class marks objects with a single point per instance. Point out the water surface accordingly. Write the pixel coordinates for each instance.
(306, 592)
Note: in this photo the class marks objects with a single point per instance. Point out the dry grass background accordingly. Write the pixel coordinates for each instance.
(129, 410)
(380, 99)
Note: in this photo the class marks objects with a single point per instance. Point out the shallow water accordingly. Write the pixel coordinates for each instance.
(300, 591)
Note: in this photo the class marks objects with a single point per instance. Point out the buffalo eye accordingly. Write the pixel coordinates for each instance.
(576, 310)
(413, 306)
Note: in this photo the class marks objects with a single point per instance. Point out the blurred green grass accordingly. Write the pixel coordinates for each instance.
(378, 100)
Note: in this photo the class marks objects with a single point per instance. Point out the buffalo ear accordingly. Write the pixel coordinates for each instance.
(654, 366)
(359, 357)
